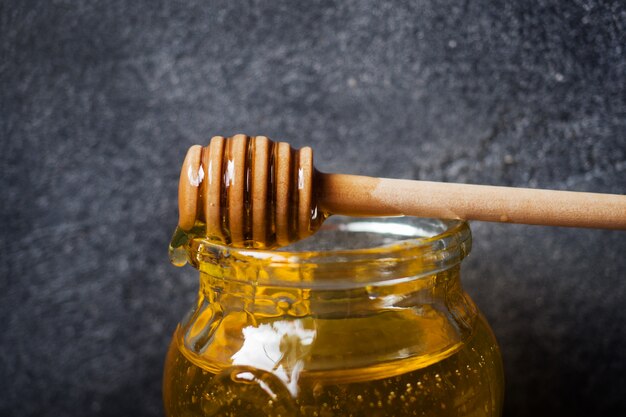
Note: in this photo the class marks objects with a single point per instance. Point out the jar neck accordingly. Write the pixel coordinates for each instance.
(367, 265)
(441, 290)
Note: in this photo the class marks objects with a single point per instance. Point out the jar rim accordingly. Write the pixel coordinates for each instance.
(423, 247)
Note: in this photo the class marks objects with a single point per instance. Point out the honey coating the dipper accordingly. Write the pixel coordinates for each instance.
(246, 192)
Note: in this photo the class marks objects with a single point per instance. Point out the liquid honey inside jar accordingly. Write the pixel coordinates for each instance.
(365, 318)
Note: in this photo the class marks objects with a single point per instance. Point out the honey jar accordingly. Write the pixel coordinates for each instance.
(367, 317)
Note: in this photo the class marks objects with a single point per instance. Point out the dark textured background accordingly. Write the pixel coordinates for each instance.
(99, 102)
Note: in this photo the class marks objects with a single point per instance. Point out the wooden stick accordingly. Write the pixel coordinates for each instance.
(255, 190)
(367, 196)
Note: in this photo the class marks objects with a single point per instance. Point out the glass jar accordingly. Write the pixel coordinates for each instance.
(365, 318)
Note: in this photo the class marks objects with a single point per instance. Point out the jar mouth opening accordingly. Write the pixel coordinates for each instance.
(344, 250)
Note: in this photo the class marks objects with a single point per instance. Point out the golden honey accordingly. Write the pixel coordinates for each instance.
(377, 325)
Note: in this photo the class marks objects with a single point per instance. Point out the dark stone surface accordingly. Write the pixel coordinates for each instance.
(100, 100)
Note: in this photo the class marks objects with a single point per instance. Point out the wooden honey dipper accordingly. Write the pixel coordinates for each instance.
(250, 191)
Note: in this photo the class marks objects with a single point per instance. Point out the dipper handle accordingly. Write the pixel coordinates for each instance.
(367, 196)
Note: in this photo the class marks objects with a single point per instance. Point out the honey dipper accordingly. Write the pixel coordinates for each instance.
(254, 192)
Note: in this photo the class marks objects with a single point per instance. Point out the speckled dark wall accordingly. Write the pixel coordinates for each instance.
(100, 100)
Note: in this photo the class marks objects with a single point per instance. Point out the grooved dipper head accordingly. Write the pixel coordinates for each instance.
(249, 191)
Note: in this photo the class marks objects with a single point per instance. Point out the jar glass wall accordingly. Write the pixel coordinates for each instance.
(365, 318)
